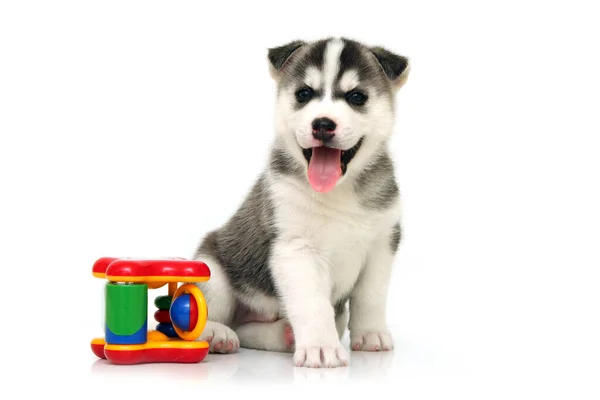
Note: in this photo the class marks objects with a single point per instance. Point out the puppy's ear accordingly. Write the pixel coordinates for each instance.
(395, 67)
(279, 56)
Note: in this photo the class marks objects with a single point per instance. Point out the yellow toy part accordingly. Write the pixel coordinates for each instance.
(196, 327)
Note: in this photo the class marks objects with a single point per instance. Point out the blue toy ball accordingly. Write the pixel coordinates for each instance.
(184, 312)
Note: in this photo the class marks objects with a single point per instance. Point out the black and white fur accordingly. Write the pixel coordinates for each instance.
(314, 262)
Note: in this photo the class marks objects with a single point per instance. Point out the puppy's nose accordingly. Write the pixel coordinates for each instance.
(323, 129)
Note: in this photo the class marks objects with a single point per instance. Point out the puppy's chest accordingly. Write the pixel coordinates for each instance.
(337, 229)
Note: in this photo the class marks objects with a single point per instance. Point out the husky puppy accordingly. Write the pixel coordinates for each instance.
(316, 237)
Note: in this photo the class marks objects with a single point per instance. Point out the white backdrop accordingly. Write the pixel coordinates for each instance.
(131, 128)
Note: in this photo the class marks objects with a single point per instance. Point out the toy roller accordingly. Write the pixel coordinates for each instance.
(181, 314)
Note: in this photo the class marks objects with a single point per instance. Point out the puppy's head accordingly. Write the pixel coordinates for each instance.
(335, 104)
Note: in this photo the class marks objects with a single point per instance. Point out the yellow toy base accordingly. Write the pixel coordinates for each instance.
(158, 349)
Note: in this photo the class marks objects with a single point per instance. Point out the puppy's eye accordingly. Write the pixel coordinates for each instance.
(305, 94)
(356, 98)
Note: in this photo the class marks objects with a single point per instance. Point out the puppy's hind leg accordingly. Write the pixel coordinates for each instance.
(341, 317)
(220, 302)
(278, 335)
(270, 336)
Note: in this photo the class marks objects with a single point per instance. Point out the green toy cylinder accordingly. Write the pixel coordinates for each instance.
(126, 313)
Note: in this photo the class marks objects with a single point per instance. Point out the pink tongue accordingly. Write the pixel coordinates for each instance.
(324, 169)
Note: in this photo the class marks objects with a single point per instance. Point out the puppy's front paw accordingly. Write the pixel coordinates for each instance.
(220, 337)
(321, 356)
(371, 341)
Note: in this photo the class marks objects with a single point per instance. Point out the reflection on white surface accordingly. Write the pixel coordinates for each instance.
(251, 366)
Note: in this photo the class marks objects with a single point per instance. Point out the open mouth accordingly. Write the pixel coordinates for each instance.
(327, 165)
